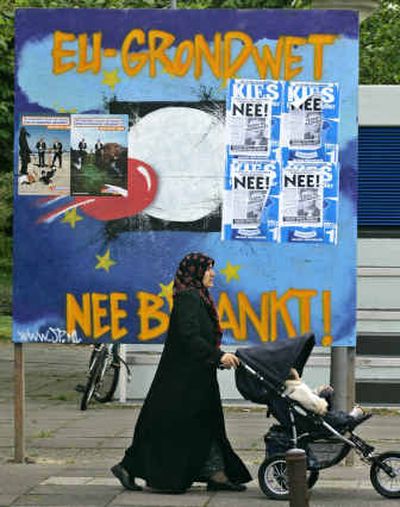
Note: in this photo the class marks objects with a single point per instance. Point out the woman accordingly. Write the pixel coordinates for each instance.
(180, 433)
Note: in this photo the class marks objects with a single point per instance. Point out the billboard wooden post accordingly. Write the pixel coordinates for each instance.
(343, 381)
(19, 403)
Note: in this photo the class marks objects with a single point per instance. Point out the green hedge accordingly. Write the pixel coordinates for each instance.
(5, 327)
(5, 255)
(5, 275)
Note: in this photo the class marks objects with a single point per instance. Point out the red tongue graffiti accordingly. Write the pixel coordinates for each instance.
(142, 188)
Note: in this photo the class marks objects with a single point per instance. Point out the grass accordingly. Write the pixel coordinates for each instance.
(44, 434)
(5, 288)
(384, 411)
(91, 179)
(5, 328)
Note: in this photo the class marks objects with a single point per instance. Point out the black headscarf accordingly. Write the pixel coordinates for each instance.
(189, 276)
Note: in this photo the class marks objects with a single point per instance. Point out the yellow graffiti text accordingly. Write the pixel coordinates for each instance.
(153, 322)
(96, 315)
(159, 52)
(273, 316)
(290, 312)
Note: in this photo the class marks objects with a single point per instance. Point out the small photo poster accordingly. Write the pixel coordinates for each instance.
(99, 154)
(44, 154)
(251, 199)
(310, 121)
(252, 117)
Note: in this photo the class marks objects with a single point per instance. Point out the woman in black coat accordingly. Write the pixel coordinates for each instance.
(180, 433)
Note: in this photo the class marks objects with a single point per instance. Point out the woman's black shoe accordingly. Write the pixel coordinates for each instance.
(225, 486)
(124, 478)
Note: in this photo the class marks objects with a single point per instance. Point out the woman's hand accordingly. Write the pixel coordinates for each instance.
(229, 361)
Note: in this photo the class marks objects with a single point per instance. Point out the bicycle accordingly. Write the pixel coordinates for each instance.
(103, 374)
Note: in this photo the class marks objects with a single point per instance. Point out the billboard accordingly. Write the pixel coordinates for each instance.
(232, 132)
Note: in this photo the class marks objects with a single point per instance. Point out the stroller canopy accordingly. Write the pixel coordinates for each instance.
(273, 362)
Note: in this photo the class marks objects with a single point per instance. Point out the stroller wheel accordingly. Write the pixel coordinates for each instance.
(385, 474)
(272, 477)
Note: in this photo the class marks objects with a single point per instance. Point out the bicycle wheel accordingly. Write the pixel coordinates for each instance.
(272, 477)
(107, 382)
(386, 481)
(97, 361)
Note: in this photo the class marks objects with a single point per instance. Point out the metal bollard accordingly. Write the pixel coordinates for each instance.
(296, 463)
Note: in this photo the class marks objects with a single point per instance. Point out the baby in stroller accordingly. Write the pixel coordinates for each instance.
(271, 375)
(320, 400)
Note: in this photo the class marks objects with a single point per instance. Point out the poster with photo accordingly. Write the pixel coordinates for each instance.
(99, 154)
(309, 202)
(310, 121)
(301, 197)
(43, 154)
(252, 117)
(253, 191)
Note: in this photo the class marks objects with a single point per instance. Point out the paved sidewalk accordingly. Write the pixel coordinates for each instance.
(72, 451)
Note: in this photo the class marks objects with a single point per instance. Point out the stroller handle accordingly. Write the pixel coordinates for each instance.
(252, 371)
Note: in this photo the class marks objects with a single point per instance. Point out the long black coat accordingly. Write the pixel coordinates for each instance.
(182, 413)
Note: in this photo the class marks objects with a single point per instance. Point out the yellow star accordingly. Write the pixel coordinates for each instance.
(111, 78)
(71, 217)
(231, 272)
(167, 293)
(63, 110)
(105, 261)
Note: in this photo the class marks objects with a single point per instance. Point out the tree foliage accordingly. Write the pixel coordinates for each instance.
(6, 202)
(6, 89)
(379, 36)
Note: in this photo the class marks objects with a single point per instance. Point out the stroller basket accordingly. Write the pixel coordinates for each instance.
(325, 453)
(321, 453)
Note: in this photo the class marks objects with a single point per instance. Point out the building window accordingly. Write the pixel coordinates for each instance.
(379, 182)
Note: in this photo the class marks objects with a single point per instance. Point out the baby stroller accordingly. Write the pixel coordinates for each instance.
(325, 439)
